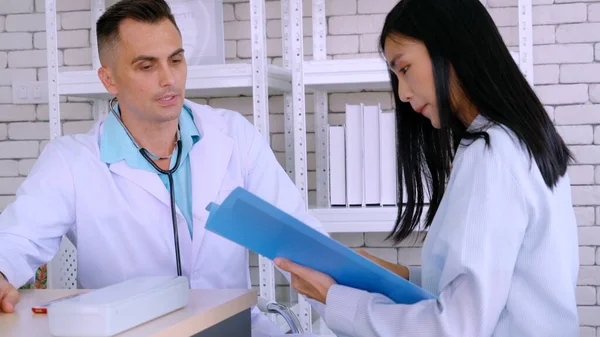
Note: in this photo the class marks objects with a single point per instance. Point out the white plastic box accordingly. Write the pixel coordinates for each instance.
(117, 308)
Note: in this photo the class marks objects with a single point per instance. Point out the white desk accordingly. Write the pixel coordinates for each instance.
(208, 313)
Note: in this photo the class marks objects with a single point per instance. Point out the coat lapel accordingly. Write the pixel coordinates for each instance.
(209, 161)
(147, 180)
(209, 164)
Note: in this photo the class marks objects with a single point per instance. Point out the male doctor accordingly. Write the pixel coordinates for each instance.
(113, 204)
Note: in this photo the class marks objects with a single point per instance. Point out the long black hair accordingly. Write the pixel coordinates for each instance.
(461, 35)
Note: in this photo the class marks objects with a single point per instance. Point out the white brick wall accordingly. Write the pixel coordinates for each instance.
(595, 93)
(16, 6)
(561, 94)
(582, 32)
(566, 53)
(24, 129)
(577, 114)
(16, 41)
(566, 36)
(546, 74)
(66, 39)
(75, 20)
(580, 73)
(577, 134)
(3, 60)
(581, 175)
(586, 154)
(26, 23)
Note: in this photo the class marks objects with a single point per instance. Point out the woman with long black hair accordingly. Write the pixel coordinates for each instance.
(501, 251)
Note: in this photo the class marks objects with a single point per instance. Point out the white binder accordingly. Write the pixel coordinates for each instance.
(371, 156)
(388, 176)
(337, 165)
(354, 155)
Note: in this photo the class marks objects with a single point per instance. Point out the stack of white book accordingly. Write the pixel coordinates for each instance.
(362, 158)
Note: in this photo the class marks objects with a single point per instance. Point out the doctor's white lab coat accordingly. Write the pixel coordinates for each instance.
(119, 218)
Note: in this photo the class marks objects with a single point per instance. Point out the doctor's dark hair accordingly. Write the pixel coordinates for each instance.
(460, 34)
(146, 11)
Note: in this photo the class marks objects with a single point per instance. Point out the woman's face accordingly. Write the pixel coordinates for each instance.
(410, 62)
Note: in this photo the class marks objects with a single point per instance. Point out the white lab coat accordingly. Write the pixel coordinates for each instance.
(119, 218)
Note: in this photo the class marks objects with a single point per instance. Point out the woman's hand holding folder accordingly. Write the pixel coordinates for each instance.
(398, 269)
(315, 285)
(308, 282)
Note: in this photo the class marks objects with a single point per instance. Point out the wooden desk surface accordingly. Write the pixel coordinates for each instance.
(205, 309)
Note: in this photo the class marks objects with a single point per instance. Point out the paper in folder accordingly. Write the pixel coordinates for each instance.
(266, 230)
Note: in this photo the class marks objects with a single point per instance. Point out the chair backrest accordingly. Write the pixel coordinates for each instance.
(62, 270)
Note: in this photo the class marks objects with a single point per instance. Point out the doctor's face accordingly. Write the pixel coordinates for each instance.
(147, 71)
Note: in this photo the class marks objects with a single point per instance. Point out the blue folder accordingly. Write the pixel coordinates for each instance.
(266, 230)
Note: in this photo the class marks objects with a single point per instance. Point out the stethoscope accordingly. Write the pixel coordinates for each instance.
(150, 158)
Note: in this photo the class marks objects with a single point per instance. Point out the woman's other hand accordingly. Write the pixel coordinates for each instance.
(398, 269)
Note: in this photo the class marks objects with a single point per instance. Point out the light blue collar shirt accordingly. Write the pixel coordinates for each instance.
(117, 146)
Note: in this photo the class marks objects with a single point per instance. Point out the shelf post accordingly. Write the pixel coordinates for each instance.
(52, 69)
(526, 39)
(298, 101)
(99, 107)
(98, 7)
(53, 267)
(288, 122)
(288, 125)
(321, 117)
(299, 128)
(260, 93)
(321, 108)
(260, 105)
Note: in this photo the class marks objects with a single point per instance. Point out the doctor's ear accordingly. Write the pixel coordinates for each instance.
(107, 79)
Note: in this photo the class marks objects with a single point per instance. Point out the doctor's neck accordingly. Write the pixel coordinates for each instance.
(157, 137)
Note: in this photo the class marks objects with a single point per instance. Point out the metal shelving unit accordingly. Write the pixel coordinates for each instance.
(322, 76)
